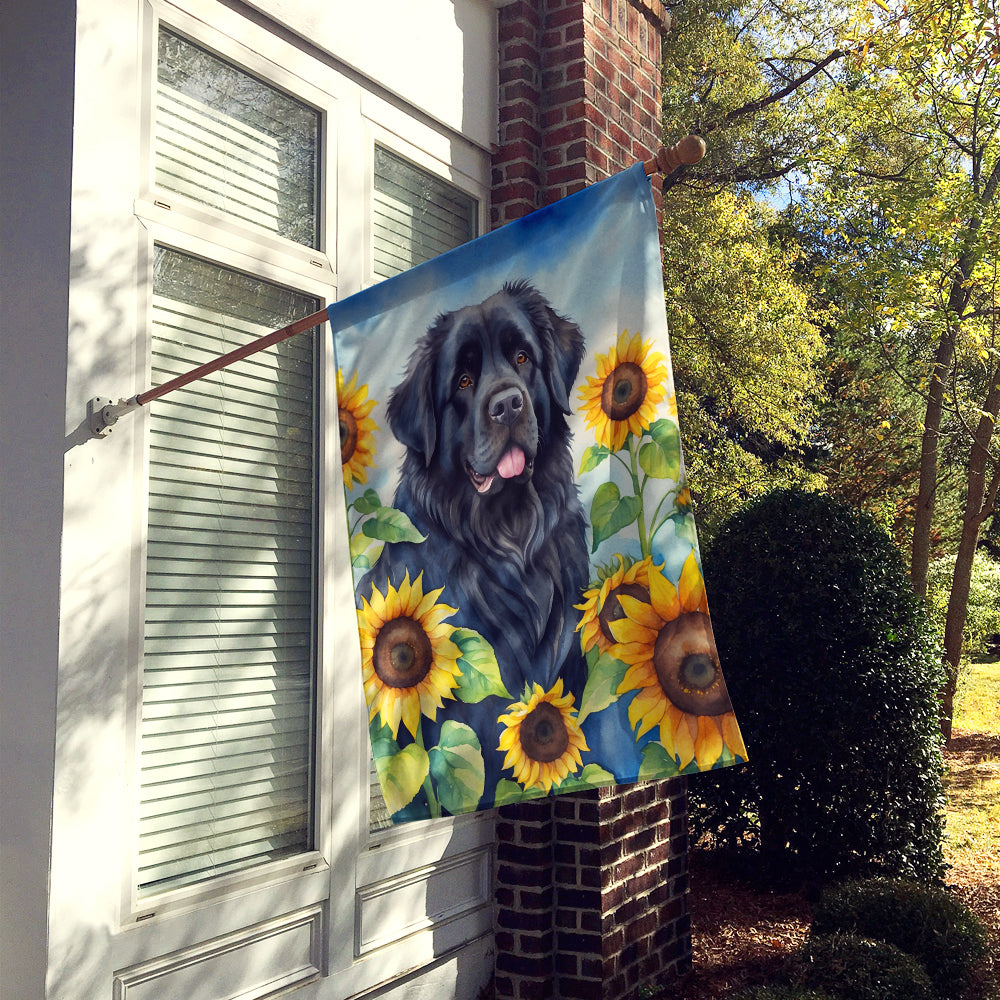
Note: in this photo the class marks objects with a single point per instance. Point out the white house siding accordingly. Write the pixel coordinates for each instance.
(409, 916)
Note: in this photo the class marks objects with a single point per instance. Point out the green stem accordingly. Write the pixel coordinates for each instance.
(644, 546)
(432, 801)
(652, 521)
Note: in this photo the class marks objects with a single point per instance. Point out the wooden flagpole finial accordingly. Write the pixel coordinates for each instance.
(668, 158)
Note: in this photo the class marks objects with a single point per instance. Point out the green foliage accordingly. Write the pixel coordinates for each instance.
(747, 354)
(857, 968)
(983, 611)
(926, 922)
(833, 674)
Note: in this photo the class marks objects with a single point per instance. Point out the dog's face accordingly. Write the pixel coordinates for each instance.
(483, 388)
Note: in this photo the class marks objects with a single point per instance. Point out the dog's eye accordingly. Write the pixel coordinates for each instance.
(465, 381)
(522, 357)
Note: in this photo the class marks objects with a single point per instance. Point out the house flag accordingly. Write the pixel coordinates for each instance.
(530, 604)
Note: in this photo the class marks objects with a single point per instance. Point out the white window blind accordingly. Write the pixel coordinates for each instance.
(228, 659)
(416, 216)
(228, 140)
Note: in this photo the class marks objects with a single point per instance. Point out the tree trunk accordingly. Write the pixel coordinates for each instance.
(920, 553)
(979, 500)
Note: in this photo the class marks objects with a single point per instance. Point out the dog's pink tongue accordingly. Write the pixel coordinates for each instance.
(512, 463)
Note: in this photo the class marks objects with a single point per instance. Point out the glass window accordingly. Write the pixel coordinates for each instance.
(416, 215)
(228, 140)
(228, 680)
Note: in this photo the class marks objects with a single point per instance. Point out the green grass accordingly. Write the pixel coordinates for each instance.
(977, 704)
(974, 772)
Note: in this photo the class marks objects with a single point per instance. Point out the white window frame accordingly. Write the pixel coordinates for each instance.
(352, 874)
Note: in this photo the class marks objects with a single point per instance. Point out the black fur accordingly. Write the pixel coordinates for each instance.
(486, 389)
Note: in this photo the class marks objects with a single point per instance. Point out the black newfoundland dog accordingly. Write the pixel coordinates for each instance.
(488, 478)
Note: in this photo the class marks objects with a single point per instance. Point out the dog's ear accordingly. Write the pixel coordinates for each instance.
(561, 341)
(411, 406)
(569, 349)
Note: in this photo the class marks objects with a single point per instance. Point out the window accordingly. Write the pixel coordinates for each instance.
(250, 807)
(416, 216)
(228, 140)
(229, 647)
(227, 706)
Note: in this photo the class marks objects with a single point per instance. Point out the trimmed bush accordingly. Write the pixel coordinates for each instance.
(925, 922)
(833, 672)
(856, 968)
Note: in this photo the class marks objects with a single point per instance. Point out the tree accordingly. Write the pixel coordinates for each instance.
(747, 358)
(747, 353)
(913, 180)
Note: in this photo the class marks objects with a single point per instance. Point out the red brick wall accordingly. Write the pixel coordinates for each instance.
(579, 96)
(591, 890)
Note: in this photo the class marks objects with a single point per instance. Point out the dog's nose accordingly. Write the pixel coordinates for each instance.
(506, 405)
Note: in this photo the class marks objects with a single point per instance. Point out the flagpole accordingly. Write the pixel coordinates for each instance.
(103, 413)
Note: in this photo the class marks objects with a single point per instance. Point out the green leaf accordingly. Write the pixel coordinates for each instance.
(510, 791)
(592, 776)
(653, 462)
(457, 767)
(610, 512)
(593, 457)
(383, 744)
(666, 434)
(657, 763)
(391, 525)
(359, 543)
(661, 457)
(685, 529)
(368, 502)
(480, 676)
(361, 562)
(402, 775)
(601, 689)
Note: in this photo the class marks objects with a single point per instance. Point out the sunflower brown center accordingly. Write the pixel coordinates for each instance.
(348, 434)
(624, 390)
(612, 609)
(402, 655)
(543, 733)
(687, 666)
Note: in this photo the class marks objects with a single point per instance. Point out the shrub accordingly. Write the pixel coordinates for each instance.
(833, 672)
(856, 968)
(926, 922)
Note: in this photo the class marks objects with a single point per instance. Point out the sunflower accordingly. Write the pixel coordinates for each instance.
(601, 605)
(623, 398)
(408, 660)
(542, 739)
(674, 667)
(357, 430)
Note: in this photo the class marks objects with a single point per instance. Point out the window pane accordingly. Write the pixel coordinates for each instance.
(417, 215)
(228, 678)
(226, 139)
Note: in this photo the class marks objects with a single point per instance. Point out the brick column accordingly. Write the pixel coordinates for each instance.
(591, 889)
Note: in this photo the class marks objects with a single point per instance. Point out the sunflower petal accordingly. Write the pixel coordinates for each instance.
(732, 735)
(663, 595)
(692, 586)
(709, 745)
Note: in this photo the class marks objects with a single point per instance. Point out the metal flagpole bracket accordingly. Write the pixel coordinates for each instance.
(103, 413)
